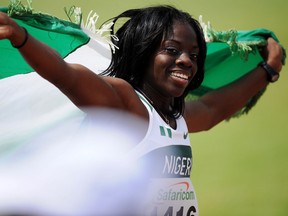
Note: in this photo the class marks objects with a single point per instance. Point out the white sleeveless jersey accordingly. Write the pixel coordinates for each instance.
(167, 155)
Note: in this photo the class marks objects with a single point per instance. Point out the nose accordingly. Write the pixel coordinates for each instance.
(184, 60)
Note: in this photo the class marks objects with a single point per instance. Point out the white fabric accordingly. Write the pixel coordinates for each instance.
(168, 153)
(30, 104)
(76, 170)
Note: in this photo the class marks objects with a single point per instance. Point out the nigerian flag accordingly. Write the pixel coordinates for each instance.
(29, 104)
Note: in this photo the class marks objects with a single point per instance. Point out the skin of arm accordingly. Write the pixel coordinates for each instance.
(85, 88)
(82, 86)
(220, 104)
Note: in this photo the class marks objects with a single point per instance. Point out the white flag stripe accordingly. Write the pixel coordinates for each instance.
(29, 104)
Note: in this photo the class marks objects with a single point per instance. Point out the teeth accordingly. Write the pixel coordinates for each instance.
(179, 75)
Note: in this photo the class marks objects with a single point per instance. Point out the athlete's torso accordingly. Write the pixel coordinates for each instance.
(167, 155)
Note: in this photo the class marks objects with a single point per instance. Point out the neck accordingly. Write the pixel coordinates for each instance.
(159, 101)
(161, 105)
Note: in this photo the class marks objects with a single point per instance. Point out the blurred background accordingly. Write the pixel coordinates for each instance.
(240, 166)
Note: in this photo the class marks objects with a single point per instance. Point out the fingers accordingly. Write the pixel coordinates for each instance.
(4, 19)
(10, 30)
(273, 54)
(5, 29)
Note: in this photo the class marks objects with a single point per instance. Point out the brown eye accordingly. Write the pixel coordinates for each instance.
(193, 56)
(172, 51)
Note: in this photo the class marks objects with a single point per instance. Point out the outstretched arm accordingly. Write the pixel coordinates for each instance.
(220, 104)
(81, 85)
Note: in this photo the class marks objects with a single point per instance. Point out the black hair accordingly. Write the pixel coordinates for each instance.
(139, 38)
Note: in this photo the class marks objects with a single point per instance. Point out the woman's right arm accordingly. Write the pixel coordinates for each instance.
(82, 86)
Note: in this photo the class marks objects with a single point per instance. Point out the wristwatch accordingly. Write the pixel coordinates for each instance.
(272, 75)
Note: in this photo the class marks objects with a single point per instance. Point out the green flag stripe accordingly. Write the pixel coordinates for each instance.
(63, 36)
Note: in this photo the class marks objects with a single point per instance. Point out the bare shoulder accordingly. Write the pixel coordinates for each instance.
(86, 88)
(128, 96)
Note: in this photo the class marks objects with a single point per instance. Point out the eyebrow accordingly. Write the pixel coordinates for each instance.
(178, 42)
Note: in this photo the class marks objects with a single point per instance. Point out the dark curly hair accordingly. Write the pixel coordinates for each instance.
(139, 38)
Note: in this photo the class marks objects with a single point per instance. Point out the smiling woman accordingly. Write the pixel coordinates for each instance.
(244, 141)
(160, 58)
(178, 57)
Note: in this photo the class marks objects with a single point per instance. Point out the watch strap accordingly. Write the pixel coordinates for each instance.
(272, 75)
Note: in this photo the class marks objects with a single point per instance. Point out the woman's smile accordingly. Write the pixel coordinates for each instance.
(180, 78)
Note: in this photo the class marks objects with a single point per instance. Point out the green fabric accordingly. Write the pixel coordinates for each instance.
(222, 67)
(230, 55)
(61, 35)
(227, 62)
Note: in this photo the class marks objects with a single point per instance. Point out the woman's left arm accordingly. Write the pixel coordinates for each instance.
(215, 106)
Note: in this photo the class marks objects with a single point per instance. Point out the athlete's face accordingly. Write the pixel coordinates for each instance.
(175, 62)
